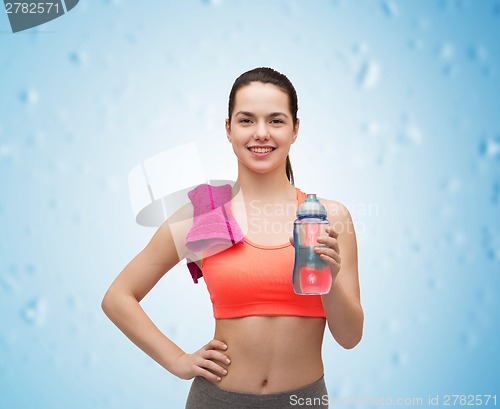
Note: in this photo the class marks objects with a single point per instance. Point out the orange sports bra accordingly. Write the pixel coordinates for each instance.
(251, 279)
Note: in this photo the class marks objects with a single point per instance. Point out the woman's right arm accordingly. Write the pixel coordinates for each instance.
(121, 305)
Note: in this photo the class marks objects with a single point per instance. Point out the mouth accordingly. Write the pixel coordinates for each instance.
(261, 150)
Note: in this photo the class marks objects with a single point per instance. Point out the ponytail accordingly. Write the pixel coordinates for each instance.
(289, 171)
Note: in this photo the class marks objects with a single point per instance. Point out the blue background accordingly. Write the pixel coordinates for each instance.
(399, 103)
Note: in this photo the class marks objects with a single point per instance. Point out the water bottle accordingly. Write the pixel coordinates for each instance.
(311, 275)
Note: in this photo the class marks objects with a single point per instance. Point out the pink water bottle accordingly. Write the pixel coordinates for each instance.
(311, 275)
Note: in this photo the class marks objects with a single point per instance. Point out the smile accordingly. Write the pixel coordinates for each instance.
(261, 150)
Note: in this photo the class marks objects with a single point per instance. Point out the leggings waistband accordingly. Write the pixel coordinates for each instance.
(206, 395)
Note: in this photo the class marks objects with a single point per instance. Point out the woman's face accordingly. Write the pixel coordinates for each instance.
(261, 128)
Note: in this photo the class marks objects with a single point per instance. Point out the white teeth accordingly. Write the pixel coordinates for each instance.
(261, 150)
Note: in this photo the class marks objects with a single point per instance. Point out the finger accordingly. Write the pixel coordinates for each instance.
(328, 252)
(215, 344)
(331, 232)
(334, 264)
(207, 374)
(291, 241)
(329, 242)
(212, 366)
(218, 356)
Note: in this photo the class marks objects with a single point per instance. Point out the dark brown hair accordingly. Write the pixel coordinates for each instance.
(268, 76)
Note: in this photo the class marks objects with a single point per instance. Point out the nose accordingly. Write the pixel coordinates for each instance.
(261, 132)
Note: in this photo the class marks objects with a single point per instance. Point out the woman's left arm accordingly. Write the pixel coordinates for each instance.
(342, 304)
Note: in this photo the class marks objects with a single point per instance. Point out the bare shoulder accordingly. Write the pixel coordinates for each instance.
(337, 212)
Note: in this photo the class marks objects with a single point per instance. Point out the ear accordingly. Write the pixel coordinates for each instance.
(295, 130)
(228, 130)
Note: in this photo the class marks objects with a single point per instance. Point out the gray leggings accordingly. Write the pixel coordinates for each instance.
(205, 395)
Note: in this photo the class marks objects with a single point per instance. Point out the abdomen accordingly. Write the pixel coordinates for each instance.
(271, 354)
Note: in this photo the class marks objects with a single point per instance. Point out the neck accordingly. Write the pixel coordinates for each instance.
(273, 186)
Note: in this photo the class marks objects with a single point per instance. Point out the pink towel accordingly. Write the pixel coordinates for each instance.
(213, 223)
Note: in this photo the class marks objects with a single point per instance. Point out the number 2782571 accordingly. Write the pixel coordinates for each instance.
(32, 8)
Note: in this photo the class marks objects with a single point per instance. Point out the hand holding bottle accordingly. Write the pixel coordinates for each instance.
(330, 253)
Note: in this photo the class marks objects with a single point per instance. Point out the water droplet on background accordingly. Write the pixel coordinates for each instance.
(113, 183)
(10, 279)
(422, 319)
(35, 312)
(92, 359)
(79, 57)
(29, 96)
(457, 239)
(452, 185)
(410, 135)
(30, 269)
(496, 9)
(390, 8)
(424, 24)
(6, 151)
(360, 48)
(491, 243)
(369, 75)
(53, 204)
(416, 44)
(56, 361)
(446, 51)
(399, 358)
(447, 210)
(469, 339)
(392, 326)
(434, 283)
(214, 3)
(173, 330)
(83, 168)
(477, 53)
(450, 70)
(450, 5)
(77, 218)
(7, 284)
(34, 140)
(8, 341)
(75, 303)
(415, 247)
(495, 192)
(489, 147)
(372, 127)
(485, 296)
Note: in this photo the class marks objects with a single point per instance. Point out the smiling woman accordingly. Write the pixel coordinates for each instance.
(258, 128)
(266, 350)
(269, 89)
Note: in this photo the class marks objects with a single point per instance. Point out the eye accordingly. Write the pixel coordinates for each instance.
(277, 121)
(244, 121)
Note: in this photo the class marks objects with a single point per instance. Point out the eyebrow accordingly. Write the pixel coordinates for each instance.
(272, 114)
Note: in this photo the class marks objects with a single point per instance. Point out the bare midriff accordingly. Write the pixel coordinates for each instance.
(271, 354)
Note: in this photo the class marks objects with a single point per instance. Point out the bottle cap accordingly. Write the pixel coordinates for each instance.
(311, 207)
